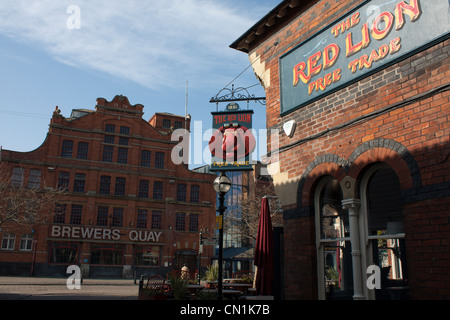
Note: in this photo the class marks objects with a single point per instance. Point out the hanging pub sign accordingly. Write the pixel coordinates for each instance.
(366, 40)
(232, 142)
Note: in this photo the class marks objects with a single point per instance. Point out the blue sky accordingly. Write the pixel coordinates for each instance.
(145, 50)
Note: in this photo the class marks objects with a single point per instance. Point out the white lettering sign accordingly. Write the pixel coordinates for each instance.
(102, 234)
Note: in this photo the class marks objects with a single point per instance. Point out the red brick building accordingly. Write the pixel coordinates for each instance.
(364, 175)
(128, 208)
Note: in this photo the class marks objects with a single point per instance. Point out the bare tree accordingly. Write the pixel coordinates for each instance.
(244, 221)
(25, 204)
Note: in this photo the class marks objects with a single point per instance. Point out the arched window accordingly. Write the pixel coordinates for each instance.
(384, 231)
(333, 242)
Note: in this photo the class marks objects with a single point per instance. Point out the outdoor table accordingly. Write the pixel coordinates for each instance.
(234, 294)
(238, 286)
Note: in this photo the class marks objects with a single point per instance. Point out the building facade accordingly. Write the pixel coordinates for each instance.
(359, 92)
(127, 208)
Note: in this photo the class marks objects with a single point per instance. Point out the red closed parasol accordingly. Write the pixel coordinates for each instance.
(264, 252)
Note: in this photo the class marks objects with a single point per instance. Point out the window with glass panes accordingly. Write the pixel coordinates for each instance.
(63, 252)
(117, 217)
(159, 160)
(141, 221)
(76, 213)
(60, 213)
(124, 130)
(195, 193)
(105, 185)
(63, 180)
(102, 216)
(143, 188)
(181, 192)
(79, 182)
(108, 254)
(119, 189)
(108, 152)
(34, 180)
(156, 219)
(122, 155)
(180, 222)
(26, 241)
(193, 222)
(17, 177)
(110, 128)
(8, 241)
(145, 158)
(67, 148)
(82, 151)
(157, 190)
(147, 255)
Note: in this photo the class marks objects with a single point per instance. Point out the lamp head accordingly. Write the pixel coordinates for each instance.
(222, 184)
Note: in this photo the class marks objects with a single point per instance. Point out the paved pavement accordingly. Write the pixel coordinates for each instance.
(32, 288)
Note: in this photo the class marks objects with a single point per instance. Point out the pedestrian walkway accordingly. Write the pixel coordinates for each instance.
(32, 288)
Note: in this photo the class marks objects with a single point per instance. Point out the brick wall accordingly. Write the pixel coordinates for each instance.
(399, 116)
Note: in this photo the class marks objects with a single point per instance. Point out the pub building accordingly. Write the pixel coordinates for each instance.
(128, 208)
(359, 93)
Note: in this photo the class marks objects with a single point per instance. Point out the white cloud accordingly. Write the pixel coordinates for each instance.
(148, 42)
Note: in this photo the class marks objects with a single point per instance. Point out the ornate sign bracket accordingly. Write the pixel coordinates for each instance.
(238, 94)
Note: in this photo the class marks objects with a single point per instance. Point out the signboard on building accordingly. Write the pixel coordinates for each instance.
(232, 142)
(366, 40)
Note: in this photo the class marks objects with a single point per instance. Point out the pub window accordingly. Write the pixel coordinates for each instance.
(34, 180)
(195, 193)
(180, 222)
(157, 190)
(122, 155)
(141, 221)
(385, 237)
(26, 240)
(143, 189)
(147, 255)
(110, 128)
(108, 254)
(124, 130)
(145, 158)
(119, 189)
(334, 249)
(108, 153)
(79, 182)
(63, 180)
(156, 219)
(105, 185)
(17, 177)
(76, 213)
(193, 222)
(159, 160)
(166, 123)
(181, 192)
(117, 217)
(82, 151)
(63, 252)
(109, 139)
(60, 213)
(8, 241)
(67, 148)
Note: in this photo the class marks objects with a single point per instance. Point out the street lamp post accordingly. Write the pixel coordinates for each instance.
(221, 185)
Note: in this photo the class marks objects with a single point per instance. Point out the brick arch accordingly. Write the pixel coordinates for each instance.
(324, 165)
(386, 151)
